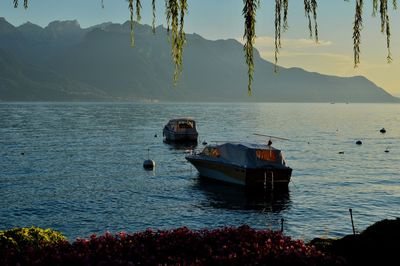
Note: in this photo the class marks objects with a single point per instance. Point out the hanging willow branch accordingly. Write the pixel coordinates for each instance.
(285, 14)
(385, 26)
(138, 18)
(249, 13)
(131, 23)
(278, 30)
(374, 7)
(167, 14)
(175, 12)
(314, 6)
(357, 31)
(388, 34)
(153, 4)
(310, 7)
(307, 11)
(138, 8)
(25, 3)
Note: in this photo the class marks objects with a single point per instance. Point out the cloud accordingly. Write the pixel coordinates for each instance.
(287, 43)
(328, 57)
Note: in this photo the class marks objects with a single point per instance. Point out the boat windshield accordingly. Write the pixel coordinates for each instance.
(211, 151)
(269, 155)
(186, 124)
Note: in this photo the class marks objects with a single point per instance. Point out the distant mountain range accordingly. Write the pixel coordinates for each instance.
(63, 62)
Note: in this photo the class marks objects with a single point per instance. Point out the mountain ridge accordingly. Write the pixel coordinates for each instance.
(100, 61)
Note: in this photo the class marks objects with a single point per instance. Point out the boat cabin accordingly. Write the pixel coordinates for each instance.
(246, 154)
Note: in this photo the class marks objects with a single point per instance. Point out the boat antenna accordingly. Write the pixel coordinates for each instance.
(269, 136)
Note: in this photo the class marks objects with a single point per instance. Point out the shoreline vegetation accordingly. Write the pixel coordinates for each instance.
(376, 245)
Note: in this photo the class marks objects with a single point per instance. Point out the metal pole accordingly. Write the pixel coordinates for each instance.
(282, 220)
(352, 223)
(272, 180)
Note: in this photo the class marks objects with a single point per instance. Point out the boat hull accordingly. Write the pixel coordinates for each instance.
(255, 178)
(180, 136)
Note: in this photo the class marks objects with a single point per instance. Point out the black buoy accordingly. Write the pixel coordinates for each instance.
(22, 153)
(204, 143)
(383, 130)
(358, 142)
(341, 152)
(148, 164)
(155, 135)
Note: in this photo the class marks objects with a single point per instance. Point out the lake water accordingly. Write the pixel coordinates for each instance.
(77, 167)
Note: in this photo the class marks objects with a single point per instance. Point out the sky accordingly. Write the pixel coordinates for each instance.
(222, 19)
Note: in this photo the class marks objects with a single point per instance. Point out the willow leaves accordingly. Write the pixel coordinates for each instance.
(175, 13)
(16, 3)
(249, 13)
(281, 6)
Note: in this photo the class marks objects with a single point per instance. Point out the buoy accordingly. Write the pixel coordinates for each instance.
(386, 150)
(358, 142)
(148, 164)
(22, 153)
(155, 135)
(204, 143)
(383, 130)
(341, 152)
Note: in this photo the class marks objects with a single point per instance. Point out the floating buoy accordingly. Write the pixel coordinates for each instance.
(358, 142)
(149, 164)
(22, 153)
(155, 135)
(383, 130)
(204, 143)
(341, 152)
(386, 150)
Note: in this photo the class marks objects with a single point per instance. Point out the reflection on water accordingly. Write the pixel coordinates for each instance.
(232, 197)
(181, 145)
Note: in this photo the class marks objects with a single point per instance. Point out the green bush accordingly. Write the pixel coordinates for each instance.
(19, 239)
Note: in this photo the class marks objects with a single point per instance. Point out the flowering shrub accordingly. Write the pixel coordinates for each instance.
(181, 246)
(16, 244)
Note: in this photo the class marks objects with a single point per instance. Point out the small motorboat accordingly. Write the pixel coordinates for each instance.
(258, 166)
(180, 130)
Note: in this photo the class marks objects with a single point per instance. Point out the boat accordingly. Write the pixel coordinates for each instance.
(180, 130)
(247, 164)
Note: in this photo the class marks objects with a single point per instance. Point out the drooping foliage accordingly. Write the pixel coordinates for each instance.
(280, 6)
(175, 13)
(249, 13)
(176, 10)
(153, 24)
(357, 31)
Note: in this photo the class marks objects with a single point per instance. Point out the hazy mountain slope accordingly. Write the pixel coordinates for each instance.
(65, 60)
(213, 71)
(24, 82)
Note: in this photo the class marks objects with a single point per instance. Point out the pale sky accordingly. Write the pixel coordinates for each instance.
(222, 19)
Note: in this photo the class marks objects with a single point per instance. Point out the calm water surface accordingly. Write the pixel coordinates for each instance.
(77, 167)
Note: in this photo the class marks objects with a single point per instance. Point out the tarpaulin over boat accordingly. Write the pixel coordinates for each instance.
(245, 154)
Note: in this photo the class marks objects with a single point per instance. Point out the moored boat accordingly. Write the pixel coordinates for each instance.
(180, 130)
(247, 164)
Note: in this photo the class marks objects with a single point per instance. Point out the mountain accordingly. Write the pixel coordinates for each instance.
(98, 63)
(24, 82)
